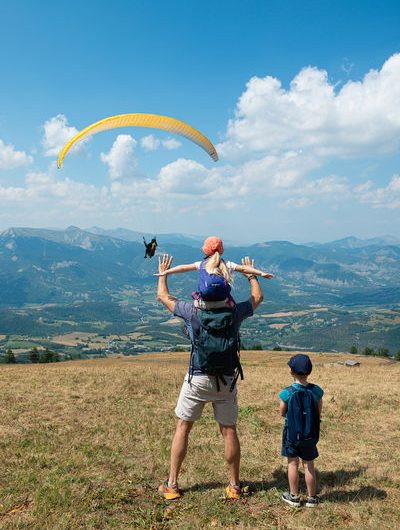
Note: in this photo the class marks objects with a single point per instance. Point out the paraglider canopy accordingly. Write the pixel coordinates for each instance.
(154, 121)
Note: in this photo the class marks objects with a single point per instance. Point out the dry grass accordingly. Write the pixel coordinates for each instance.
(84, 445)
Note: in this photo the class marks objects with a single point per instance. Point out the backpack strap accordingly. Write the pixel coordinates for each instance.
(238, 369)
(218, 379)
(190, 333)
(238, 373)
(191, 369)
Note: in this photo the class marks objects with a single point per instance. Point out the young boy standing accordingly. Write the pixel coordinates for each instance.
(301, 405)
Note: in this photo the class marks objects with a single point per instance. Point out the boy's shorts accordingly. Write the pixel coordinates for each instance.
(203, 389)
(291, 451)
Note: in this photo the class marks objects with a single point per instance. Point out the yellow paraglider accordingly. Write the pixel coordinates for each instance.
(154, 121)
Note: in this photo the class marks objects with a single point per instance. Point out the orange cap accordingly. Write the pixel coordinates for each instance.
(212, 244)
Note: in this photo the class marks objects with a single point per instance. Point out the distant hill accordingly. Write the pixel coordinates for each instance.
(131, 235)
(42, 266)
(324, 296)
(354, 242)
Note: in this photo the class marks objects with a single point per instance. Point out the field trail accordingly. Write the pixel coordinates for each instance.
(84, 445)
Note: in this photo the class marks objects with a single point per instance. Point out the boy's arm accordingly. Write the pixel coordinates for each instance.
(162, 289)
(178, 269)
(282, 408)
(248, 269)
(320, 406)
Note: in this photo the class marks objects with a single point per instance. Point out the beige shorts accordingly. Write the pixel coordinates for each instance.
(203, 389)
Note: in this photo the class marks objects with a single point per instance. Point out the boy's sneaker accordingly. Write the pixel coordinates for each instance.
(312, 502)
(170, 493)
(233, 492)
(293, 500)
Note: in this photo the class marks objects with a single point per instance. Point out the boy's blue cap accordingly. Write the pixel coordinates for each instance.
(300, 364)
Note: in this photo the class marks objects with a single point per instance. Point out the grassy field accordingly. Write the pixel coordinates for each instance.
(84, 445)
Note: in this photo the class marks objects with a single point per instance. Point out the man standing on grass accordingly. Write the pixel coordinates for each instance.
(199, 387)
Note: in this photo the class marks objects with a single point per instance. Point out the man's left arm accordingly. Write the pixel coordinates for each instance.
(163, 293)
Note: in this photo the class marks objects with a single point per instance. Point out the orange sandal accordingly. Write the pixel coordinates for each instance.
(170, 493)
(233, 492)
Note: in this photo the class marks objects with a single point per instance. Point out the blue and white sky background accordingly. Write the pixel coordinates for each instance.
(302, 100)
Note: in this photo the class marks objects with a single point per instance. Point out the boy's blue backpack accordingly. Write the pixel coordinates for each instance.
(217, 345)
(302, 417)
(212, 287)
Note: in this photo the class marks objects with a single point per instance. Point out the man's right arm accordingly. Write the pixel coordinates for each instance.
(256, 294)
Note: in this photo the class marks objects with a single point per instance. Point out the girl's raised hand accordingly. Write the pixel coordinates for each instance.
(267, 275)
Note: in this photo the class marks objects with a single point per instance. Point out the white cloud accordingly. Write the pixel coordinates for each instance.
(279, 144)
(121, 158)
(56, 133)
(43, 188)
(380, 197)
(301, 202)
(12, 193)
(276, 171)
(332, 189)
(359, 119)
(331, 186)
(184, 176)
(150, 143)
(171, 143)
(10, 158)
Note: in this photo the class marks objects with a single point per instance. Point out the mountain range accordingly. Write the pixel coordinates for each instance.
(54, 281)
(43, 266)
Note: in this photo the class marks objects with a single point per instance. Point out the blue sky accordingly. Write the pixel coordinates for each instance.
(302, 100)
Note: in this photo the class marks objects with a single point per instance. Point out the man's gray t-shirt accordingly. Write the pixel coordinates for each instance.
(188, 313)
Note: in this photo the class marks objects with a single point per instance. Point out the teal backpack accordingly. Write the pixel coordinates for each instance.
(218, 345)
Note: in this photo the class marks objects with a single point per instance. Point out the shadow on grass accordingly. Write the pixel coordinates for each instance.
(205, 486)
(366, 493)
(328, 479)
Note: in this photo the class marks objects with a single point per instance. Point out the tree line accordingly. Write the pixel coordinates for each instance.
(379, 352)
(34, 355)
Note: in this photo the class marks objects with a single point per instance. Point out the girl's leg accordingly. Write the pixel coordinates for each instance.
(293, 475)
(311, 479)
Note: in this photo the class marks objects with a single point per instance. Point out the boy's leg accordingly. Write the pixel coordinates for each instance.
(179, 449)
(310, 477)
(232, 451)
(293, 475)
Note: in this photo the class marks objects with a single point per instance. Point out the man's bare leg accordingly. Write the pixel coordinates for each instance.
(179, 449)
(232, 451)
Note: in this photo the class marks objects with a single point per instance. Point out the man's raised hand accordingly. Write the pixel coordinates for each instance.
(247, 262)
(164, 263)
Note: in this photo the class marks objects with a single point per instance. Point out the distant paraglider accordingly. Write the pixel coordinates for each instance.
(150, 247)
(154, 121)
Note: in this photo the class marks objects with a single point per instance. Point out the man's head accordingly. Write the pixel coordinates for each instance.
(300, 364)
(211, 245)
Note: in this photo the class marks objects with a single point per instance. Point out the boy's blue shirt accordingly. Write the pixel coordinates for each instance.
(316, 391)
